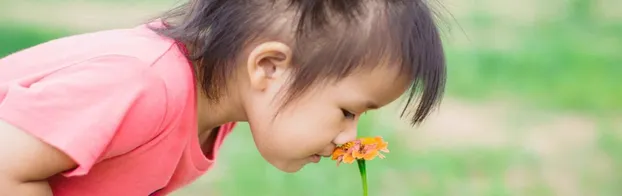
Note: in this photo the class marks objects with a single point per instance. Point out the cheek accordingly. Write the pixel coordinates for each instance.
(313, 123)
(301, 129)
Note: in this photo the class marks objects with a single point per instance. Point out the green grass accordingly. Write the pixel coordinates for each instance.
(609, 143)
(15, 37)
(558, 66)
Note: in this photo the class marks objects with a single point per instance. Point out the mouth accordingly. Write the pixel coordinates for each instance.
(315, 158)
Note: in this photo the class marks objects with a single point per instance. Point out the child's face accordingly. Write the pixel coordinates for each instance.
(322, 118)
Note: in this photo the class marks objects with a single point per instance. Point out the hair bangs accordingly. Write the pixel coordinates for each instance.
(423, 57)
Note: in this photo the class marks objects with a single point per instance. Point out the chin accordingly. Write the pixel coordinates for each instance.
(290, 168)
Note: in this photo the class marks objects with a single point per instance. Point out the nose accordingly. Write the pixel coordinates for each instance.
(349, 134)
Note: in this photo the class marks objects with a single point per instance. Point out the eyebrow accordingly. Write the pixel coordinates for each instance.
(372, 105)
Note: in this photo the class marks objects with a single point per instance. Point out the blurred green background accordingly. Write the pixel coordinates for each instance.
(532, 108)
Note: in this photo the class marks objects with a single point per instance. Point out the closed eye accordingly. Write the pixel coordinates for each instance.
(347, 114)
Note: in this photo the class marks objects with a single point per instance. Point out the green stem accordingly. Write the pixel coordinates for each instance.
(362, 170)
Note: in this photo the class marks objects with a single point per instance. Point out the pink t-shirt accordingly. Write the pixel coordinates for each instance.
(121, 103)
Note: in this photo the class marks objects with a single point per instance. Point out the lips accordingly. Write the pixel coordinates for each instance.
(315, 158)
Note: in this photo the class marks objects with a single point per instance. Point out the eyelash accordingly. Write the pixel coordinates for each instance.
(347, 114)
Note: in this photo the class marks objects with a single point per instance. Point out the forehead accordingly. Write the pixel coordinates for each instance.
(380, 85)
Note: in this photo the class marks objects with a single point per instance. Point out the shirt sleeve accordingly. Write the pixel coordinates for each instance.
(80, 108)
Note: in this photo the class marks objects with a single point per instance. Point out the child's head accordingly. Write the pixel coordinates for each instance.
(306, 70)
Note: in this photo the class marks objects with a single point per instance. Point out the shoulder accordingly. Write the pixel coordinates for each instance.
(134, 59)
(145, 73)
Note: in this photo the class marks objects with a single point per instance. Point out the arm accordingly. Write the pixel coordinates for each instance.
(27, 162)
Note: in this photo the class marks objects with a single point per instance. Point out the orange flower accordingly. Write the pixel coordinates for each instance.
(363, 148)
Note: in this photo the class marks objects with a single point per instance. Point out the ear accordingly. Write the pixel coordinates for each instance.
(268, 64)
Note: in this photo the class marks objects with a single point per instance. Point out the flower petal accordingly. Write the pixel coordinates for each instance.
(371, 155)
(337, 153)
(348, 159)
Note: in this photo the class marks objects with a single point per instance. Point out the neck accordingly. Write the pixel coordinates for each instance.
(213, 114)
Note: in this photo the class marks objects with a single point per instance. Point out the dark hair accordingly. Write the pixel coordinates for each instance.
(330, 39)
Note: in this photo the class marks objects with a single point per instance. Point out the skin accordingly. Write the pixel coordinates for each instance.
(27, 163)
(313, 125)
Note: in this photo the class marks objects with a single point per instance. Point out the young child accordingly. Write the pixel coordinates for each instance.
(143, 111)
